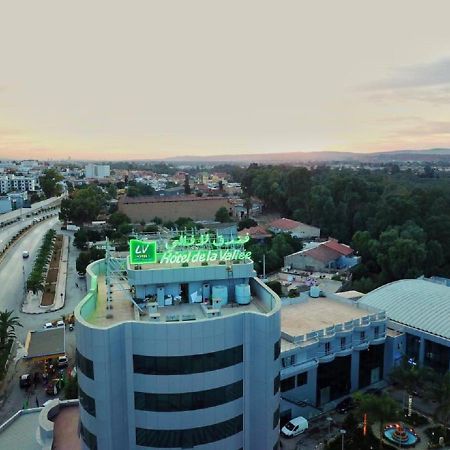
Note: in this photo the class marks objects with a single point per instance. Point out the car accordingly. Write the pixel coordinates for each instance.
(48, 325)
(25, 380)
(62, 361)
(345, 405)
(25, 254)
(60, 323)
(294, 427)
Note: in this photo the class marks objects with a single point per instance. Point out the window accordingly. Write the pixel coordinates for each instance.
(376, 332)
(189, 437)
(85, 365)
(327, 347)
(89, 439)
(276, 384)
(87, 402)
(288, 384)
(181, 365)
(362, 336)
(302, 379)
(343, 343)
(276, 417)
(188, 401)
(276, 350)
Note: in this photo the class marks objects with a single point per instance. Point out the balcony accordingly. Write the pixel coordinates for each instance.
(360, 345)
(327, 357)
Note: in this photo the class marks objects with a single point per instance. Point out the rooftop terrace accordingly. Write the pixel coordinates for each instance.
(309, 318)
(93, 307)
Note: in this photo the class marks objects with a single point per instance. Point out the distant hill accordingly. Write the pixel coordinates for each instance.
(295, 157)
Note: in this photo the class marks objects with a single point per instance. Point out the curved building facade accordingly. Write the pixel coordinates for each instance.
(178, 375)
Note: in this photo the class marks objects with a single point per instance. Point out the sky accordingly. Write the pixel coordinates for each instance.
(151, 79)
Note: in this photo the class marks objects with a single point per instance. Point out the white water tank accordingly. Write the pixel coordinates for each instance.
(242, 292)
(220, 292)
(314, 291)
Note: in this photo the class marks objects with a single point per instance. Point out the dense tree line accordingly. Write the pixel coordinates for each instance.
(399, 222)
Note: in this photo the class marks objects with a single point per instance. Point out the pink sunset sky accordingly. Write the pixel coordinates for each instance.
(154, 79)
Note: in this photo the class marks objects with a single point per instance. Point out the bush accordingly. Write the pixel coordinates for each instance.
(275, 286)
(434, 433)
(416, 420)
(185, 264)
(293, 293)
(204, 263)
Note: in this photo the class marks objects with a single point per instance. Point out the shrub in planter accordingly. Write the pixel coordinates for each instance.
(204, 263)
(222, 263)
(185, 264)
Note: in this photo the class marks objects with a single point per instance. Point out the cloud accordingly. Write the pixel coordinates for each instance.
(434, 74)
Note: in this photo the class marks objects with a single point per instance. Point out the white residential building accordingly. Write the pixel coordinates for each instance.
(97, 171)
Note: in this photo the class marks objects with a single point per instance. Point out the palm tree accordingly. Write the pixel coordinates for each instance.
(378, 409)
(8, 324)
(439, 391)
(248, 204)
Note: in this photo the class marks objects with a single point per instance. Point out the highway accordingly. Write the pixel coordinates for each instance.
(11, 273)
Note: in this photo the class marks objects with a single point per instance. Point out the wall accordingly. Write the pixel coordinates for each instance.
(198, 209)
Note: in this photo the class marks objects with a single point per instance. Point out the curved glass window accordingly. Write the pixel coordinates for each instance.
(188, 401)
(181, 365)
(190, 437)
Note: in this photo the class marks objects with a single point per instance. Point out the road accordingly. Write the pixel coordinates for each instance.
(11, 296)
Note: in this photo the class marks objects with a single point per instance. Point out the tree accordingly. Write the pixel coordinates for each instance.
(49, 182)
(118, 218)
(71, 387)
(187, 186)
(222, 214)
(80, 238)
(439, 391)
(377, 409)
(87, 257)
(8, 324)
(248, 205)
(247, 223)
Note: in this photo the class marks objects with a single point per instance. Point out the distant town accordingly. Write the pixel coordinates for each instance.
(222, 305)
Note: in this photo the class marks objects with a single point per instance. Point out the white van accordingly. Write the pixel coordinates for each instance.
(295, 427)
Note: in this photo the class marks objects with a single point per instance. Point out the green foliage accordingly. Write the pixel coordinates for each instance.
(139, 189)
(49, 182)
(186, 222)
(151, 229)
(84, 205)
(71, 387)
(8, 324)
(87, 257)
(80, 238)
(157, 220)
(247, 223)
(275, 286)
(35, 280)
(398, 222)
(222, 215)
(117, 218)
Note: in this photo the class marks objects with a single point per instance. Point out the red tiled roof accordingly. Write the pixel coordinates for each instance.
(340, 248)
(322, 253)
(284, 224)
(256, 231)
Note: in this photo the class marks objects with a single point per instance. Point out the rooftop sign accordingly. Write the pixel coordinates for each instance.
(142, 252)
(185, 249)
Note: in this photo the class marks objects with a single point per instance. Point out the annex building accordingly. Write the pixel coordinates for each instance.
(178, 347)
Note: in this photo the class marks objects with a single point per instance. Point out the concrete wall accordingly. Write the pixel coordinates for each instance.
(197, 209)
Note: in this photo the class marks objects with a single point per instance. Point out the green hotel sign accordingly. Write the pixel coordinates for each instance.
(142, 252)
(189, 249)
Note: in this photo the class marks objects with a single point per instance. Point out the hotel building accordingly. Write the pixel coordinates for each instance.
(178, 346)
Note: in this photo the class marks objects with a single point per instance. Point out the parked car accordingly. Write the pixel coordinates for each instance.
(48, 325)
(60, 323)
(294, 427)
(345, 405)
(25, 380)
(62, 361)
(25, 254)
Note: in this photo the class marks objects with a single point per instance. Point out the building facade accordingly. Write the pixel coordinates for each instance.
(330, 347)
(190, 360)
(419, 321)
(97, 171)
(17, 183)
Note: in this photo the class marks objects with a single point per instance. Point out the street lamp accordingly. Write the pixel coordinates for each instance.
(342, 435)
